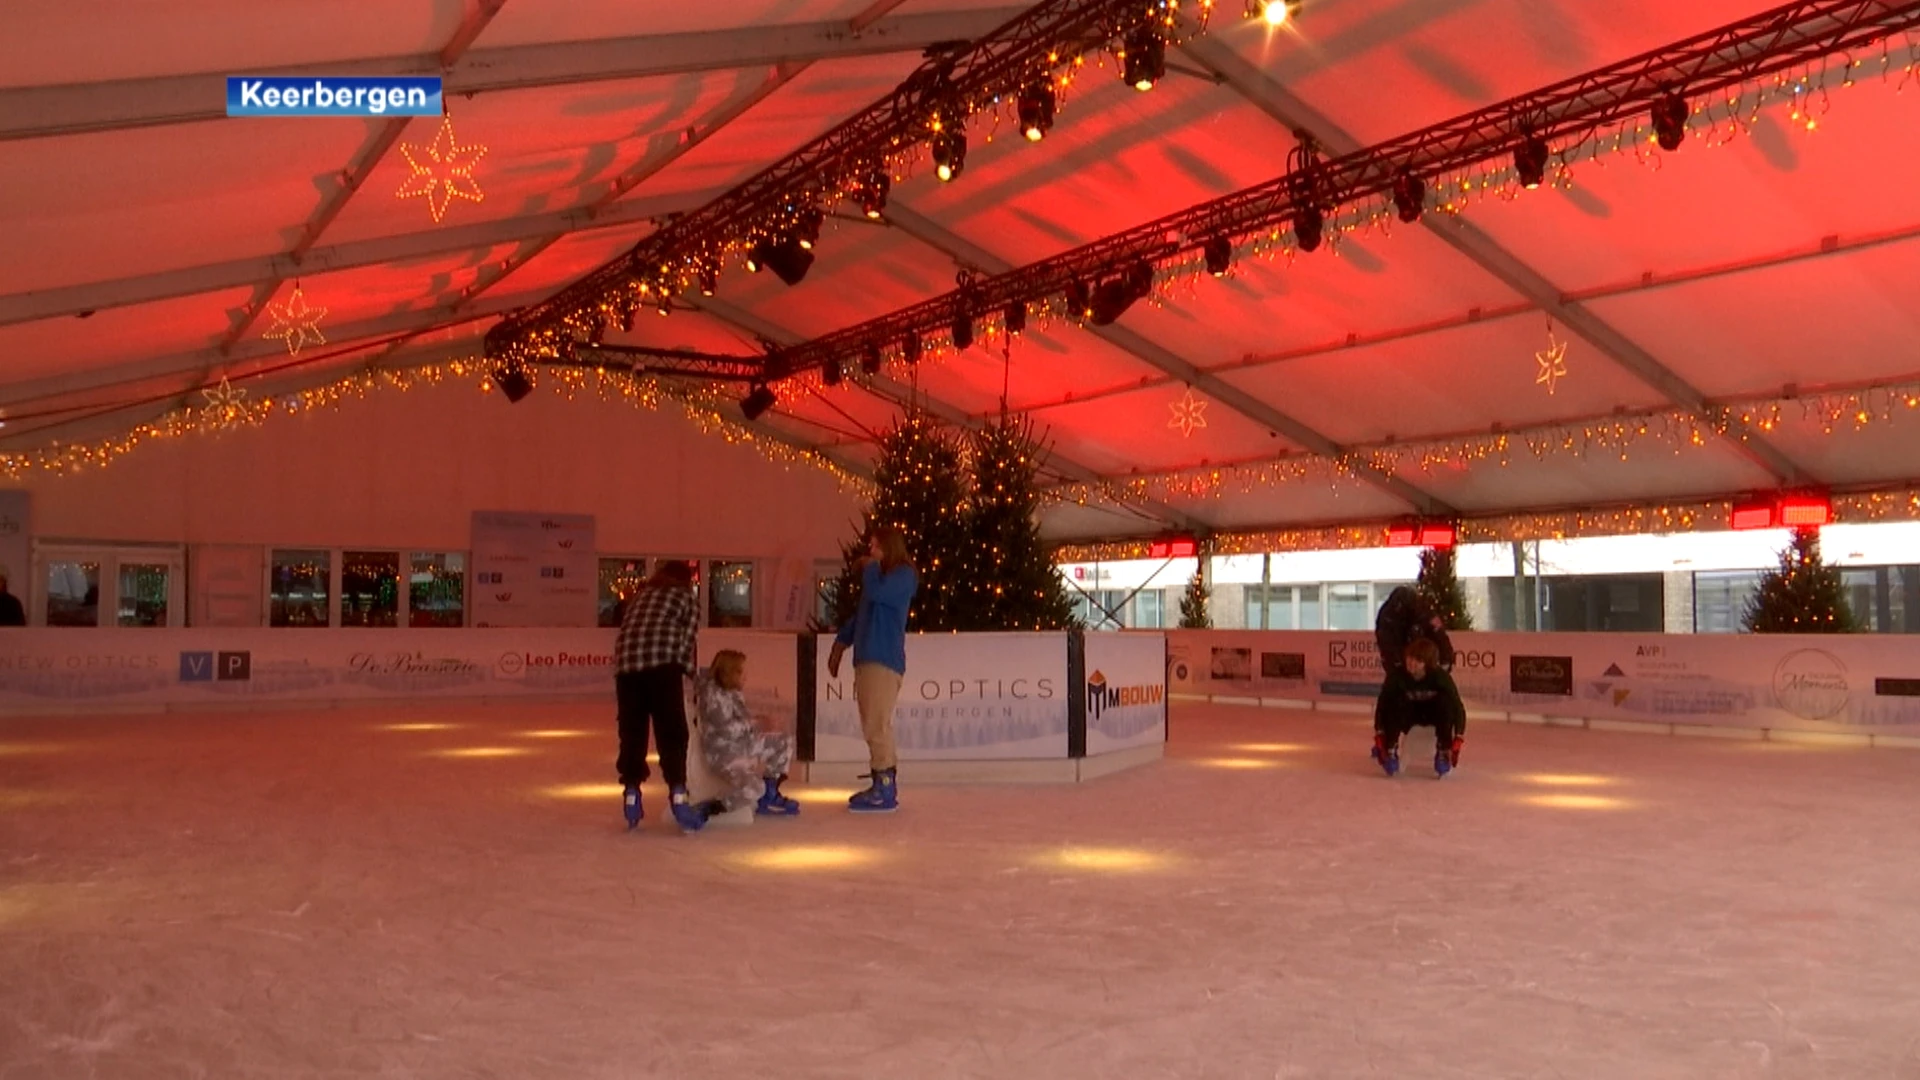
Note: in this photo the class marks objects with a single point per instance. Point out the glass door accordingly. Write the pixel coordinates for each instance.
(101, 585)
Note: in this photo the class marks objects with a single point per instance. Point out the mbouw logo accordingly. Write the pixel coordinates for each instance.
(1101, 697)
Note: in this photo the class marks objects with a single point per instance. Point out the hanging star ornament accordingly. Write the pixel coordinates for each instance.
(1188, 413)
(442, 171)
(227, 403)
(296, 323)
(1553, 362)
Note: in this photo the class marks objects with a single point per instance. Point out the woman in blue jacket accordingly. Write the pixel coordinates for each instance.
(877, 633)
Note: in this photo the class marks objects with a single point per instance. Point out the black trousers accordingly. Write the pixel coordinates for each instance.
(1440, 720)
(652, 696)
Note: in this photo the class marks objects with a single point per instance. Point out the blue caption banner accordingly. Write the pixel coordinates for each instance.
(322, 95)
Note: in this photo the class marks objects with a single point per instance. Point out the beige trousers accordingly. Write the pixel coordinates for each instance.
(876, 687)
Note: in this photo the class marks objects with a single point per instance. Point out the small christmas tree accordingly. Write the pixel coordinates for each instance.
(1803, 596)
(1011, 582)
(1441, 587)
(921, 491)
(1193, 606)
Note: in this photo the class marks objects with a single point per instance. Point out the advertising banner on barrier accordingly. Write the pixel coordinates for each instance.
(1126, 691)
(533, 570)
(965, 697)
(69, 669)
(1856, 683)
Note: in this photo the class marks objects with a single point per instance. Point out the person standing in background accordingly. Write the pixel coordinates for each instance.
(12, 612)
(877, 633)
(653, 653)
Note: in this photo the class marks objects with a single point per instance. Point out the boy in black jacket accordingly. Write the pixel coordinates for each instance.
(1419, 694)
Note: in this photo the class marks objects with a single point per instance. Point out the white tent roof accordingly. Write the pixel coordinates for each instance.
(140, 226)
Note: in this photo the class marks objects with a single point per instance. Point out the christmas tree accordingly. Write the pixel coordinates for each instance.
(1441, 587)
(1193, 606)
(1803, 596)
(922, 492)
(1012, 582)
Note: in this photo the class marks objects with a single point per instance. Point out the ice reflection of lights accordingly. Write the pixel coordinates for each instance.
(1110, 860)
(1238, 763)
(1568, 780)
(555, 733)
(1566, 801)
(418, 727)
(20, 749)
(609, 792)
(818, 795)
(483, 751)
(804, 857)
(1270, 747)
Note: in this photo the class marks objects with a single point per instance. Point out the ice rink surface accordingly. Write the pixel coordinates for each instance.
(450, 893)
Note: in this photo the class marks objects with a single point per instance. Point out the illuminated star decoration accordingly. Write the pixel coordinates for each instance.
(226, 403)
(1188, 413)
(442, 171)
(296, 322)
(1553, 362)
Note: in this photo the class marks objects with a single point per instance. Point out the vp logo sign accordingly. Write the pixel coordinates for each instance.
(208, 666)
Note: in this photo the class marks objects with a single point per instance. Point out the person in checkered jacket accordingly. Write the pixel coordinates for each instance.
(653, 653)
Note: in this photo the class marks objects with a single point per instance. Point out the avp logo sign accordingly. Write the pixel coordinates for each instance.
(1101, 697)
(211, 666)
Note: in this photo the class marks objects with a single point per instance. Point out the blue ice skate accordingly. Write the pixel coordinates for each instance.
(634, 811)
(882, 797)
(689, 817)
(775, 804)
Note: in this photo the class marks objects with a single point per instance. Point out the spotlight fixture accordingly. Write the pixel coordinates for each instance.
(1079, 299)
(1036, 107)
(1219, 253)
(709, 281)
(806, 227)
(949, 154)
(870, 361)
(758, 255)
(1308, 225)
(665, 304)
(757, 402)
(830, 372)
(1275, 13)
(628, 307)
(513, 382)
(1409, 196)
(1139, 280)
(910, 347)
(1110, 301)
(1530, 161)
(1670, 121)
(962, 331)
(597, 332)
(789, 260)
(873, 193)
(1016, 317)
(1146, 58)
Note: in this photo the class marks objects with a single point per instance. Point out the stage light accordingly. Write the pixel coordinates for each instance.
(962, 331)
(789, 261)
(1530, 161)
(910, 347)
(1145, 60)
(949, 154)
(1409, 196)
(758, 255)
(629, 307)
(1219, 255)
(1111, 300)
(870, 361)
(1079, 299)
(830, 372)
(513, 382)
(709, 281)
(806, 228)
(1016, 317)
(1308, 226)
(757, 402)
(1036, 107)
(1670, 121)
(1275, 13)
(873, 193)
(804, 857)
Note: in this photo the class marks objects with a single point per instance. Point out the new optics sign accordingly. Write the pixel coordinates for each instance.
(323, 95)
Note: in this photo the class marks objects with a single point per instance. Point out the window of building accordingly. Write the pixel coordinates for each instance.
(370, 589)
(1100, 609)
(1150, 609)
(1598, 602)
(1270, 607)
(145, 593)
(73, 592)
(619, 577)
(729, 594)
(300, 588)
(437, 590)
(1350, 606)
(1720, 599)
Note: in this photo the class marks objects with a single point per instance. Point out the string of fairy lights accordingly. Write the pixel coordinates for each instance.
(226, 407)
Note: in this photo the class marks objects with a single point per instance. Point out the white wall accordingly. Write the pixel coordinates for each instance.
(406, 469)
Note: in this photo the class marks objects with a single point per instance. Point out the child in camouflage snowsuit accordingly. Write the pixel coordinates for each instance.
(752, 762)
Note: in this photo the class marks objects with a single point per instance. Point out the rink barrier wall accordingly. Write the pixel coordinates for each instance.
(1841, 690)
